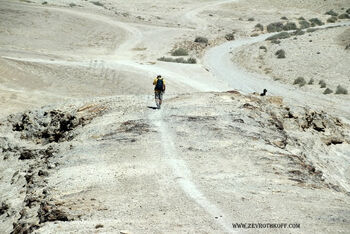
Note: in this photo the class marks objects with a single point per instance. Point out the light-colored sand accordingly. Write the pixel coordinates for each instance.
(207, 159)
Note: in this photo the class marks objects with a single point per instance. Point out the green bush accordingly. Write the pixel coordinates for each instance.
(280, 54)
(44, 3)
(327, 91)
(275, 27)
(322, 83)
(282, 35)
(97, 3)
(299, 81)
(178, 60)
(304, 24)
(201, 40)
(289, 26)
(316, 21)
(284, 18)
(344, 16)
(179, 52)
(301, 18)
(276, 42)
(72, 4)
(332, 13)
(348, 11)
(260, 27)
(230, 36)
(251, 19)
(332, 19)
(341, 90)
(311, 82)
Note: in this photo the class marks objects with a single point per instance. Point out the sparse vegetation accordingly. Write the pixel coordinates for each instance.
(301, 18)
(44, 3)
(263, 48)
(201, 40)
(344, 16)
(311, 82)
(348, 11)
(299, 81)
(290, 26)
(304, 24)
(310, 30)
(284, 18)
(327, 91)
(179, 52)
(251, 19)
(275, 27)
(178, 60)
(347, 47)
(72, 4)
(332, 13)
(97, 3)
(322, 84)
(230, 36)
(280, 54)
(281, 35)
(341, 90)
(316, 21)
(260, 27)
(298, 32)
(275, 41)
(332, 19)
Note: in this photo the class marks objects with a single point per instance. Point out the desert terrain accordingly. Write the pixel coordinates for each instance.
(83, 149)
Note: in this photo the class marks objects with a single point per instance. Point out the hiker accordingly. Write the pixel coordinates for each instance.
(159, 89)
(264, 92)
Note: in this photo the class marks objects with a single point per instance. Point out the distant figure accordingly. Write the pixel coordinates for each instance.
(159, 90)
(264, 92)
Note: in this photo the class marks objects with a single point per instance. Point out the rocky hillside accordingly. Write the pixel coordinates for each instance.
(203, 162)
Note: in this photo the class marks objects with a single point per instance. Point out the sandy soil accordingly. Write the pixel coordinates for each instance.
(82, 149)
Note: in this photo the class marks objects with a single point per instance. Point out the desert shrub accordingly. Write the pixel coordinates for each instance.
(310, 30)
(72, 4)
(348, 11)
(281, 35)
(275, 27)
(316, 21)
(191, 60)
(332, 19)
(298, 32)
(327, 91)
(201, 40)
(347, 47)
(178, 60)
(230, 36)
(251, 19)
(97, 3)
(322, 83)
(344, 16)
(332, 13)
(290, 26)
(299, 81)
(260, 27)
(44, 3)
(301, 18)
(263, 48)
(304, 24)
(311, 82)
(341, 90)
(280, 54)
(179, 52)
(276, 42)
(284, 18)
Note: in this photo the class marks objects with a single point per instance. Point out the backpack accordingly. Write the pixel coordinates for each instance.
(160, 85)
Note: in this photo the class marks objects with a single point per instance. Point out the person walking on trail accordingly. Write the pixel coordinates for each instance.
(159, 88)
